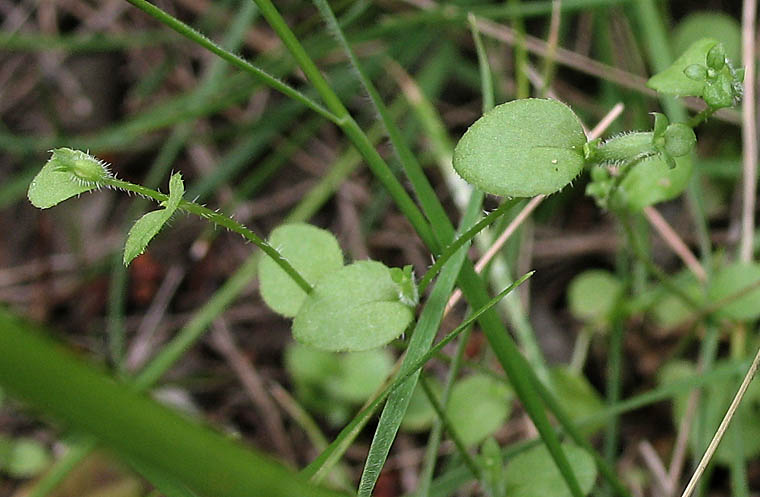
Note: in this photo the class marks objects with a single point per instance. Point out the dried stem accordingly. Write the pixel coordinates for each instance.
(749, 131)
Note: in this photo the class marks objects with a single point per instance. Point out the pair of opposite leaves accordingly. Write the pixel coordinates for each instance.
(350, 308)
(534, 146)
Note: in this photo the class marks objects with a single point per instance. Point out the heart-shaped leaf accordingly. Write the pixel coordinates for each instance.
(66, 174)
(522, 148)
(355, 308)
(312, 251)
(148, 226)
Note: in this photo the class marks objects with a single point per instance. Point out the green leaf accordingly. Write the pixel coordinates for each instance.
(354, 308)
(482, 398)
(420, 413)
(26, 458)
(720, 392)
(492, 463)
(579, 398)
(533, 473)
(674, 81)
(651, 181)
(67, 173)
(730, 280)
(522, 148)
(592, 295)
(148, 226)
(722, 27)
(333, 383)
(312, 251)
(670, 310)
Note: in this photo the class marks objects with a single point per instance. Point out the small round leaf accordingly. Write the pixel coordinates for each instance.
(592, 295)
(354, 308)
(420, 414)
(728, 282)
(312, 251)
(27, 458)
(533, 473)
(522, 148)
(651, 181)
(482, 398)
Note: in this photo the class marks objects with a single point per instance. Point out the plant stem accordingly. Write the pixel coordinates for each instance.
(460, 241)
(237, 61)
(220, 220)
(701, 117)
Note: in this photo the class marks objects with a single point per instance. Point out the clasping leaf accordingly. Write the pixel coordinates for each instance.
(148, 226)
(67, 173)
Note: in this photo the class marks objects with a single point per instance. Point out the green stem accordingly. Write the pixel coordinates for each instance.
(701, 117)
(237, 61)
(220, 220)
(444, 419)
(449, 251)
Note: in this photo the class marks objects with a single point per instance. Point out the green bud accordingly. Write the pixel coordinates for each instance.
(407, 289)
(716, 57)
(696, 72)
(719, 93)
(82, 165)
(590, 148)
(679, 140)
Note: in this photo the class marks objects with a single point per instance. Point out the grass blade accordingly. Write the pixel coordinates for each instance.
(53, 381)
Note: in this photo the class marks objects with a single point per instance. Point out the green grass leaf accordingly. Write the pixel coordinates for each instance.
(67, 173)
(85, 399)
(148, 226)
(522, 148)
(312, 251)
(482, 398)
(533, 473)
(355, 308)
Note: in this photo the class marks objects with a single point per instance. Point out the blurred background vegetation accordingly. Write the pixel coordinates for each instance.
(104, 77)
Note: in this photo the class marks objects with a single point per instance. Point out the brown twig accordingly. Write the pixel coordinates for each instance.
(749, 131)
(674, 241)
(224, 343)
